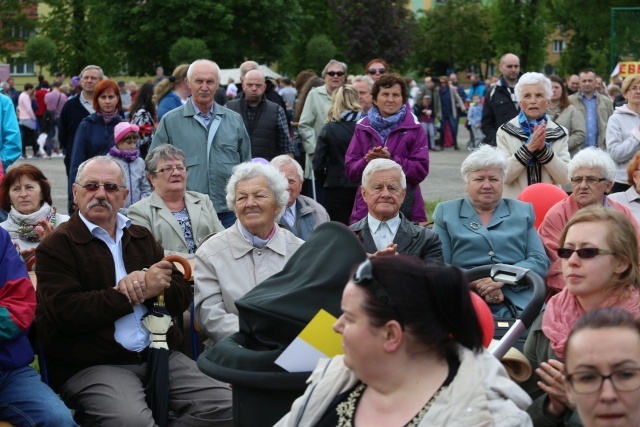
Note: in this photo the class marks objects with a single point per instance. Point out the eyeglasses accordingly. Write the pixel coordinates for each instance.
(591, 382)
(170, 169)
(591, 180)
(335, 73)
(109, 187)
(584, 253)
(364, 276)
(373, 71)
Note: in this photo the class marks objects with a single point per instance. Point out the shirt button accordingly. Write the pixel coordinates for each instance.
(491, 253)
(259, 253)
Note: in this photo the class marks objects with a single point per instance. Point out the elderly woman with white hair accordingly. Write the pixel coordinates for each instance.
(234, 261)
(591, 172)
(537, 149)
(485, 228)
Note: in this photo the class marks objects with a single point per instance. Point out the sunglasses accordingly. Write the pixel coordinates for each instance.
(335, 73)
(584, 253)
(373, 71)
(109, 187)
(364, 276)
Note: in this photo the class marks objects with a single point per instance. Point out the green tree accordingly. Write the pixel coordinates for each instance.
(376, 29)
(315, 17)
(40, 50)
(187, 50)
(522, 27)
(15, 25)
(320, 50)
(451, 36)
(589, 33)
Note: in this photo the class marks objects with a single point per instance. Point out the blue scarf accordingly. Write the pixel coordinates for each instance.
(385, 125)
(527, 127)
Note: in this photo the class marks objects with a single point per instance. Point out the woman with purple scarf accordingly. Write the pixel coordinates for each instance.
(126, 153)
(390, 131)
(94, 136)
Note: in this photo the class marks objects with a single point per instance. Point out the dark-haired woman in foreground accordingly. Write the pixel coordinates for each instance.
(412, 356)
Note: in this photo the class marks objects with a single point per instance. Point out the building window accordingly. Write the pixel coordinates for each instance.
(19, 67)
(558, 46)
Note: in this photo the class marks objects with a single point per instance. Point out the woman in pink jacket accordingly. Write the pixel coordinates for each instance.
(390, 131)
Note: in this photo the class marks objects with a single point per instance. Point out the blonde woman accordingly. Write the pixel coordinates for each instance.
(173, 91)
(331, 146)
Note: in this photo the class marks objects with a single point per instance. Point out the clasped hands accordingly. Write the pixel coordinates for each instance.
(538, 138)
(43, 228)
(490, 290)
(138, 286)
(377, 153)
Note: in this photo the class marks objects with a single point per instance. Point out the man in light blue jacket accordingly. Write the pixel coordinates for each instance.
(213, 138)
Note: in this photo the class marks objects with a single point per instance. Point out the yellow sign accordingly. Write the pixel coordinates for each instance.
(629, 68)
(320, 334)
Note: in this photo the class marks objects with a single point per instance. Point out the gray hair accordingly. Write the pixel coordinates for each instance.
(483, 158)
(592, 157)
(378, 165)
(92, 67)
(247, 66)
(204, 61)
(104, 160)
(530, 79)
(162, 152)
(362, 78)
(283, 160)
(276, 181)
(333, 62)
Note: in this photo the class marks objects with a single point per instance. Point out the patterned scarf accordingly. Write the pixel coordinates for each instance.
(385, 125)
(563, 310)
(534, 167)
(351, 116)
(107, 117)
(126, 155)
(24, 225)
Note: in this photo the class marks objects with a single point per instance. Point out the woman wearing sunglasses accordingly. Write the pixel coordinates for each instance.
(591, 172)
(316, 110)
(25, 193)
(413, 356)
(598, 249)
(376, 68)
(178, 219)
(390, 131)
(603, 368)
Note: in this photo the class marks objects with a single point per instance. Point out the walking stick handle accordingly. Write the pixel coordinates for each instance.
(183, 262)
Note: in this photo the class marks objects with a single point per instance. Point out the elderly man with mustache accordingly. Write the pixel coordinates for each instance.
(212, 137)
(97, 277)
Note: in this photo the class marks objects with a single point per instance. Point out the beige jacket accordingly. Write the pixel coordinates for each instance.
(154, 215)
(553, 172)
(604, 108)
(480, 395)
(313, 118)
(573, 121)
(226, 268)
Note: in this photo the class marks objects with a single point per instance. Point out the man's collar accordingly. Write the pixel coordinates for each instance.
(198, 111)
(374, 223)
(122, 222)
(593, 95)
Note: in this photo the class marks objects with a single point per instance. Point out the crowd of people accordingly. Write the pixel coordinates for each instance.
(237, 178)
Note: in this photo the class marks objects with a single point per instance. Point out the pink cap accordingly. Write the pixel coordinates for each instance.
(122, 129)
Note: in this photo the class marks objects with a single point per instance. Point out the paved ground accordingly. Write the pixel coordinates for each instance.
(443, 183)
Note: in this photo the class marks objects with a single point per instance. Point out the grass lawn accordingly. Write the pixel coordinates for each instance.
(430, 206)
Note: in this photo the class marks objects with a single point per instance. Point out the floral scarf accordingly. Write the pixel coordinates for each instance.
(107, 117)
(126, 155)
(385, 125)
(563, 310)
(24, 225)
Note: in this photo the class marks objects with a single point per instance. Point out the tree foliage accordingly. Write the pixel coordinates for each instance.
(522, 27)
(41, 50)
(14, 23)
(186, 50)
(376, 29)
(120, 35)
(454, 35)
(320, 50)
(590, 33)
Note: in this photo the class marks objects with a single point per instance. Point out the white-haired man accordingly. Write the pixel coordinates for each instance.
(213, 138)
(303, 214)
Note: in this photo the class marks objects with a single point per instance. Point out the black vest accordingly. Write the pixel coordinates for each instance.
(263, 131)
